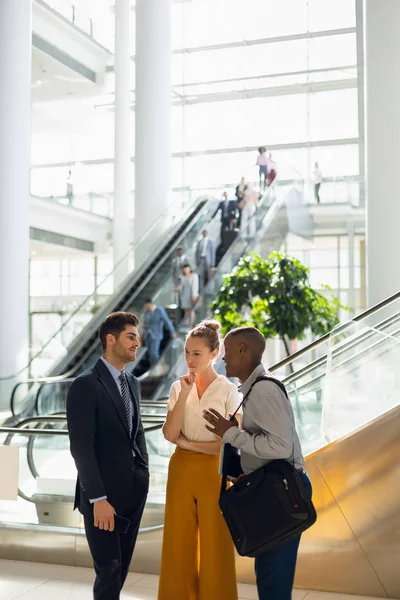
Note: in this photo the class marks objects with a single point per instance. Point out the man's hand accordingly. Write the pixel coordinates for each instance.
(103, 514)
(219, 424)
(173, 336)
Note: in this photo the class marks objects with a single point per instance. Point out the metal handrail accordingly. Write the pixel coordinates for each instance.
(338, 329)
(20, 429)
(337, 351)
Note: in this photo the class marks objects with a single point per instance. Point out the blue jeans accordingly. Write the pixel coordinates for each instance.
(153, 350)
(275, 569)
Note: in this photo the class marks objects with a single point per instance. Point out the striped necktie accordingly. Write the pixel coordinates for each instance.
(126, 398)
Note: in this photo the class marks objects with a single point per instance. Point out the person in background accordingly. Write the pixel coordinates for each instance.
(272, 170)
(108, 445)
(188, 294)
(198, 558)
(249, 206)
(239, 193)
(154, 319)
(70, 187)
(317, 180)
(268, 433)
(177, 265)
(205, 258)
(228, 213)
(262, 163)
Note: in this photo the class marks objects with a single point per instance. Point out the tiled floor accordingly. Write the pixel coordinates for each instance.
(32, 581)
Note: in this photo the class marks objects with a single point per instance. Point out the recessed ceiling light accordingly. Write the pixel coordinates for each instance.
(39, 82)
(33, 252)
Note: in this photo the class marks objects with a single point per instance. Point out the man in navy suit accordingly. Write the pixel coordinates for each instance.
(109, 448)
(228, 213)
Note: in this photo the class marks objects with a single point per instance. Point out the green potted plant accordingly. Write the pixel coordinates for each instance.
(274, 295)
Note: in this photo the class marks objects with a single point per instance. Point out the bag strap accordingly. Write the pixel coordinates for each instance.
(261, 378)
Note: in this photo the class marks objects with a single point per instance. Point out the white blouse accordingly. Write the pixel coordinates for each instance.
(221, 394)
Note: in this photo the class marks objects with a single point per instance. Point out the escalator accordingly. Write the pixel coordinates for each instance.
(48, 395)
(151, 278)
(345, 393)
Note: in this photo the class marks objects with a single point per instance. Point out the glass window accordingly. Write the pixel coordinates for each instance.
(246, 61)
(334, 115)
(210, 22)
(325, 14)
(332, 51)
(251, 122)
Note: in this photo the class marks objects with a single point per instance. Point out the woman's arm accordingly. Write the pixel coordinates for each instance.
(213, 448)
(173, 425)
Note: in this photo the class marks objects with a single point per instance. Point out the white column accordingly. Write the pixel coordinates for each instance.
(152, 112)
(122, 237)
(15, 99)
(351, 302)
(382, 120)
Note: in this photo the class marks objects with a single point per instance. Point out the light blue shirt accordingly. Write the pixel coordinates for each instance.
(115, 373)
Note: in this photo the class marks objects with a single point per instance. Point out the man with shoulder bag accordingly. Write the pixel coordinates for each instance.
(273, 480)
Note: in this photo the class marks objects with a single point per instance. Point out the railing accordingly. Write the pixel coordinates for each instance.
(50, 458)
(95, 204)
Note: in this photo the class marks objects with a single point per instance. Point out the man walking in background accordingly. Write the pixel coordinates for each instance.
(317, 179)
(154, 319)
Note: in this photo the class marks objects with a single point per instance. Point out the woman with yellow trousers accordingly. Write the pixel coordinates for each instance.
(198, 559)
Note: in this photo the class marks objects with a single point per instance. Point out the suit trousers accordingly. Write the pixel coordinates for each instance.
(112, 551)
(203, 273)
(153, 349)
(198, 556)
(275, 569)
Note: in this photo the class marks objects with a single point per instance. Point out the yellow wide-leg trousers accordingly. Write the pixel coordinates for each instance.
(198, 558)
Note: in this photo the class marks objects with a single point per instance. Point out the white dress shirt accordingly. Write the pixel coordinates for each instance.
(317, 176)
(221, 394)
(268, 426)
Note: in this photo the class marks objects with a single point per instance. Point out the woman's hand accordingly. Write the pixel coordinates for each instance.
(187, 382)
(183, 442)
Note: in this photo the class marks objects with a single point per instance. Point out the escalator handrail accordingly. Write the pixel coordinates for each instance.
(338, 329)
(197, 210)
(20, 429)
(320, 361)
(192, 216)
(356, 354)
(192, 208)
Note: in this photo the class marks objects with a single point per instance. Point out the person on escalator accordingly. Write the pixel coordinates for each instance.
(272, 170)
(239, 193)
(154, 319)
(228, 210)
(109, 448)
(188, 294)
(262, 164)
(205, 258)
(198, 558)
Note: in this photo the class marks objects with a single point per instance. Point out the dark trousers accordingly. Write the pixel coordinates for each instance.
(316, 192)
(263, 175)
(202, 270)
(112, 551)
(275, 569)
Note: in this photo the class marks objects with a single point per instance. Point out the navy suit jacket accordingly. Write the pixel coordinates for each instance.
(99, 438)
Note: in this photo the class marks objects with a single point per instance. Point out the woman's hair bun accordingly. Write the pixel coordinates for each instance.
(214, 325)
